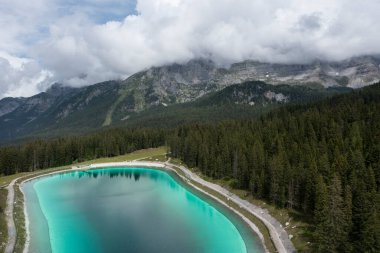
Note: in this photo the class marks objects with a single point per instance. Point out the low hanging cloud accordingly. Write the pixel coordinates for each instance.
(77, 50)
(22, 77)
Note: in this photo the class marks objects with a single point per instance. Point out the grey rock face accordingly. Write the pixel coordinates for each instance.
(8, 105)
(181, 83)
(58, 89)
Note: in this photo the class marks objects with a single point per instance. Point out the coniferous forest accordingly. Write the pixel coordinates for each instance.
(42, 154)
(321, 159)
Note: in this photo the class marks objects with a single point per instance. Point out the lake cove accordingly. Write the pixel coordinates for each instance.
(129, 210)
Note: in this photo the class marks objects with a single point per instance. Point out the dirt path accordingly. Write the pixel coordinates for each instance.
(9, 218)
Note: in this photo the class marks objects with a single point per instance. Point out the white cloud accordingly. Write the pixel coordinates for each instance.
(21, 76)
(78, 50)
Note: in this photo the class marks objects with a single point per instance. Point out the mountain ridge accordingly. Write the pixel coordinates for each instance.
(113, 102)
(179, 83)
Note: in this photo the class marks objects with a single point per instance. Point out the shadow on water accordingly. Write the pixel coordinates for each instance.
(129, 174)
(132, 174)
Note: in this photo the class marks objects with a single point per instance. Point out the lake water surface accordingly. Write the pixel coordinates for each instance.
(129, 210)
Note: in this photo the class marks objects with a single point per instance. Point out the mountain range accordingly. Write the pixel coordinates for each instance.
(196, 91)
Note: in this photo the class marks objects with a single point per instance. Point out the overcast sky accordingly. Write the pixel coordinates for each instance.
(81, 42)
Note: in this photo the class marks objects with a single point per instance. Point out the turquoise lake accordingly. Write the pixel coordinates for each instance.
(129, 210)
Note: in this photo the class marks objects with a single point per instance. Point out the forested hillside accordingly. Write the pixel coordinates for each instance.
(323, 159)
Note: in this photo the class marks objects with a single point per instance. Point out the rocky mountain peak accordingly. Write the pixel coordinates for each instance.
(58, 89)
(9, 104)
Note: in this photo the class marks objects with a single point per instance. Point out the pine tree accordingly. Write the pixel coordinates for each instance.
(321, 234)
(336, 217)
(347, 245)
